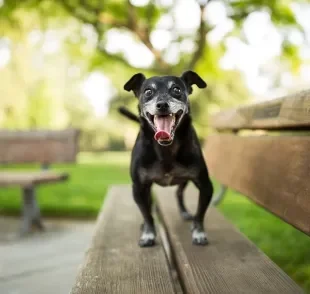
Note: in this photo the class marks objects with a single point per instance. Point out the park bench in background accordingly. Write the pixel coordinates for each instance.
(40, 146)
(271, 168)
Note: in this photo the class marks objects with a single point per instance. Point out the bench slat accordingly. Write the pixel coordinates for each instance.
(115, 263)
(290, 112)
(229, 264)
(29, 178)
(41, 146)
(272, 171)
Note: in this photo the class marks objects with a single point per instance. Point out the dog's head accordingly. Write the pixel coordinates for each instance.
(163, 101)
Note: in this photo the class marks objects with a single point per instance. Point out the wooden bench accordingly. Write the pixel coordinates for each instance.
(271, 168)
(41, 146)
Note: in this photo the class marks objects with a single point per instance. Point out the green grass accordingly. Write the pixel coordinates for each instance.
(83, 194)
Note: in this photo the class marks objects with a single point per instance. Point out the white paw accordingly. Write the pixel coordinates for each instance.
(199, 237)
(147, 235)
(147, 239)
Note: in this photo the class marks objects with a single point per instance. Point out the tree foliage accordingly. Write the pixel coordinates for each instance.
(50, 98)
(142, 21)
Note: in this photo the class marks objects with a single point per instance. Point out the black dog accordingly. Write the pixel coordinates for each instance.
(167, 150)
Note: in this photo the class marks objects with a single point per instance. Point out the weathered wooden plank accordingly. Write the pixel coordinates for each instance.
(38, 146)
(229, 264)
(39, 134)
(114, 262)
(30, 178)
(289, 112)
(272, 171)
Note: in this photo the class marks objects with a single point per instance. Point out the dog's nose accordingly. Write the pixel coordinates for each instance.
(162, 105)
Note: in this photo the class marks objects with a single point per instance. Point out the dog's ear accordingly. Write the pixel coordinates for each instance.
(190, 78)
(135, 83)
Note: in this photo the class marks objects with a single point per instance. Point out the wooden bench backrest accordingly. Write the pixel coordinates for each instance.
(271, 169)
(38, 146)
(290, 112)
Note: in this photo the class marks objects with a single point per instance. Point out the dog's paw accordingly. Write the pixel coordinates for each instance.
(186, 216)
(148, 235)
(147, 239)
(199, 237)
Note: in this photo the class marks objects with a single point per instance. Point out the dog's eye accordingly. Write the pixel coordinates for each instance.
(148, 92)
(176, 90)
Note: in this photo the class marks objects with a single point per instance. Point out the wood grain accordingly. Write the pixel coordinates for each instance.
(39, 146)
(289, 112)
(38, 134)
(114, 262)
(272, 171)
(229, 264)
(30, 178)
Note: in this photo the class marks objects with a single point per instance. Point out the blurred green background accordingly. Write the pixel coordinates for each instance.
(63, 64)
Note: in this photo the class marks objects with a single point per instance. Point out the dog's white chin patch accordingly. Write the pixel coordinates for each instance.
(164, 143)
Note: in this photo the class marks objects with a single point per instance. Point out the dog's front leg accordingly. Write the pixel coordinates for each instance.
(203, 183)
(142, 196)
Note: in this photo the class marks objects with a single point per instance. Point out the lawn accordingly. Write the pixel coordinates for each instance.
(82, 196)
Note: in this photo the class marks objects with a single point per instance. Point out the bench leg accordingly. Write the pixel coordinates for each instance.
(218, 198)
(31, 211)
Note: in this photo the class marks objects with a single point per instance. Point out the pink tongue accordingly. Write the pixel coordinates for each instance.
(163, 125)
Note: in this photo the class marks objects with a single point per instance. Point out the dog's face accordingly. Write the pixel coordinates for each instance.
(164, 101)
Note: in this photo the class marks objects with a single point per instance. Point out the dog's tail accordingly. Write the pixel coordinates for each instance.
(124, 111)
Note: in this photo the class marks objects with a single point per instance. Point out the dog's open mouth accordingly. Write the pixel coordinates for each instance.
(164, 126)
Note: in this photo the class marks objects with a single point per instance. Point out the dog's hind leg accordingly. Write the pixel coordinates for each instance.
(180, 198)
(203, 183)
(142, 196)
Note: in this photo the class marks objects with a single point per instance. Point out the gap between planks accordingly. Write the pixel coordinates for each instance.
(164, 237)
